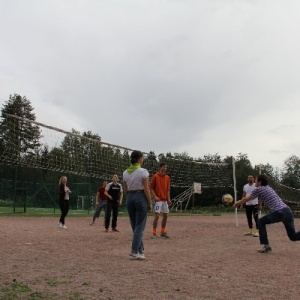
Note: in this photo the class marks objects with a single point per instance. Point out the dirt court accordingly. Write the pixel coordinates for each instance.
(207, 257)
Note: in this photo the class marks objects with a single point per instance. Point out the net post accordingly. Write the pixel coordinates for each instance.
(235, 191)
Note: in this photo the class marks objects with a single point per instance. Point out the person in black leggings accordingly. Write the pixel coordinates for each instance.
(64, 196)
(114, 192)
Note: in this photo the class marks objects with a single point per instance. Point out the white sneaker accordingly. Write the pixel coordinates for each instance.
(60, 225)
(92, 223)
(256, 234)
(249, 233)
(64, 227)
(265, 249)
(134, 256)
(137, 256)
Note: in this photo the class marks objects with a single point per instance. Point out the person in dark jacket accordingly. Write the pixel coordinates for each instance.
(64, 196)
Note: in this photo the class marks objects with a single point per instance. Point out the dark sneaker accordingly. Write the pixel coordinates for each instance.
(165, 235)
(265, 249)
(115, 229)
(106, 230)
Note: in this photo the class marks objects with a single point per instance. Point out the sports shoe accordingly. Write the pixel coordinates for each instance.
(60, 224)
(106, 230)
(164, 235)
(249, 233)
(154, 236)
(137, 256)
(265, 249)
(64, 227)
(256, 234)
(115, 229)
(92, 223)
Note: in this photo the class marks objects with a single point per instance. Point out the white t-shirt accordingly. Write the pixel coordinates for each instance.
(248, 189)
(134, 180)
(67, 193)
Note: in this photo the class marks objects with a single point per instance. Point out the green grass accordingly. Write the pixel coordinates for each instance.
(19, 287)
(48, 212)
(31, 211)
(39, 212)
(18, 290)
(53, 282)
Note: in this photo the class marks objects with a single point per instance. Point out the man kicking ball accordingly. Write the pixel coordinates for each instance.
(279, 212)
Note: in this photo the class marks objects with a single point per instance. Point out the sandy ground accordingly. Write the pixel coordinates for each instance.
(207, 257)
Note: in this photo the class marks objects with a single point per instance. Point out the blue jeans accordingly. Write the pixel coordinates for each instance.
(137, 208)
(101, 205)
(284, 215)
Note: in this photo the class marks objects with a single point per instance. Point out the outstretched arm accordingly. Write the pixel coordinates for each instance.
(241, 202)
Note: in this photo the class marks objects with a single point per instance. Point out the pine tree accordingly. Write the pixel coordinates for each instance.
(291, 172)
(19, 137)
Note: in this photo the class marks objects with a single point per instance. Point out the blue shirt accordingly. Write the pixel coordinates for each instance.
(269, 197)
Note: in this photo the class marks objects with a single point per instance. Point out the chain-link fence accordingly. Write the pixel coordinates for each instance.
(22, 188)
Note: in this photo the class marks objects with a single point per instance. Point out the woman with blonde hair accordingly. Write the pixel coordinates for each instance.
(64, 196)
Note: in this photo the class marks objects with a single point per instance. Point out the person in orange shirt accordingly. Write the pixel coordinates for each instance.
(160, 192)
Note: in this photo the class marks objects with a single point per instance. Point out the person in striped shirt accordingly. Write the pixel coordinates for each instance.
(279, 212)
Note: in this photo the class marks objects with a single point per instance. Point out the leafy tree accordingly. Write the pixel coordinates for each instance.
(268, 170)
(151, 162)
(183, 156)
(20, 137)
(291, 172)
(169, 155)
(91, 150)
(151, 156)
(243, 168)
(211, 158)
(54, 160)
(80, 151)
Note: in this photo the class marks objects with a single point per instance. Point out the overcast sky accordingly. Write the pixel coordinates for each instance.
(195, 76)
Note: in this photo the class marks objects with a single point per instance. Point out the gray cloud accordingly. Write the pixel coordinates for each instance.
(195, 76)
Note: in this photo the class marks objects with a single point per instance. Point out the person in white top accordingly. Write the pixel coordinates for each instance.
(251, 207)
(64, 196)
(138, 201)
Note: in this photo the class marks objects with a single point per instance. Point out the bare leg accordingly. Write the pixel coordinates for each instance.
(155, 221)
(164, 221)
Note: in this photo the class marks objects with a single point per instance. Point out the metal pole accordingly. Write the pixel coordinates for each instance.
(235, 191)
(15, 189)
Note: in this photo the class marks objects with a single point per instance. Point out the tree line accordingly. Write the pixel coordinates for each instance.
(26, 145)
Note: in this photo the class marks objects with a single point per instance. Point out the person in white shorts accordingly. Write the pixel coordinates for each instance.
(160, 192)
